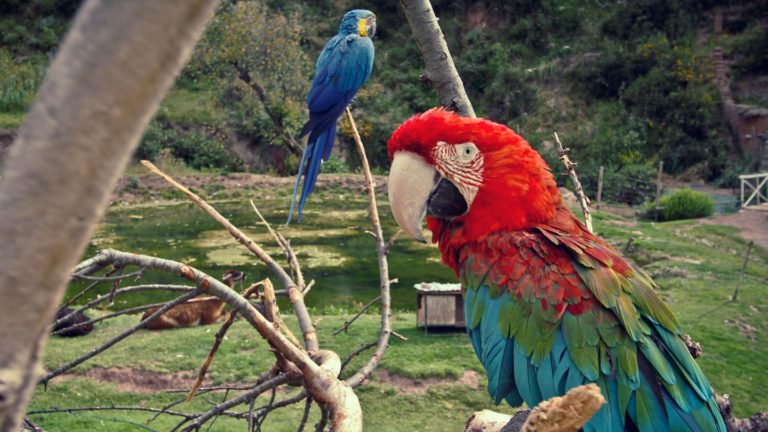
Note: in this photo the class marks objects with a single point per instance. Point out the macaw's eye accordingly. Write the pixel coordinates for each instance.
(466, 152)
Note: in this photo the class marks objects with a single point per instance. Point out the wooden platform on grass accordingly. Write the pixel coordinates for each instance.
(760, 207)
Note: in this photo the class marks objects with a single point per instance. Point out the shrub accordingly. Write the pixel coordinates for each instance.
(18, 81)
(335, 166)
(683, 204)
(198, 148)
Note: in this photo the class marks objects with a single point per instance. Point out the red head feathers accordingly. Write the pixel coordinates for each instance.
(504, 182)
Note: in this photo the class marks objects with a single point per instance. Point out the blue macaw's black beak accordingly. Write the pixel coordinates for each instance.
(445, 201)
(370, 26)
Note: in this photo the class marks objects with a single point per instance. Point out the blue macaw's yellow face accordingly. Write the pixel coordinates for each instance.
(359, 21)
(367, 26)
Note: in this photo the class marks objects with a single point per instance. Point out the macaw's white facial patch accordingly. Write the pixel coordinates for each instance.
(462, 164)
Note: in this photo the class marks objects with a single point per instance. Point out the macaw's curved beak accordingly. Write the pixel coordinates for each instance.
(416, 190)
(370, 24)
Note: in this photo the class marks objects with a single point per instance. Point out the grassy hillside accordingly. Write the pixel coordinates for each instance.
(625, 84)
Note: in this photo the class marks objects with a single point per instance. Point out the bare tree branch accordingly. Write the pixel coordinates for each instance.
(294, 292)
(86, 290)
(319, 372)
(583, 200)
(61, 369)
(243, 75)
(108, 77)
(441, 72)
(362, 310)
(218, 339)
(381, 253)
(125, 290)
(249, 395)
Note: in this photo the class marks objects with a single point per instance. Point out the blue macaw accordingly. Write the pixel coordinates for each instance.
(342, 68)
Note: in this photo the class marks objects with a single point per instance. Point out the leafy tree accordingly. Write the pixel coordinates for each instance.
(254, 57)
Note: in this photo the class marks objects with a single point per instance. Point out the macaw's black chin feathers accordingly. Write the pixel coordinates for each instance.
(446, 201)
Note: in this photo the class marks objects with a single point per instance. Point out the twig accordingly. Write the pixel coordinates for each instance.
(199, 420)
(308, 287)
(61, 369)
(127, 311)
(263, 417)
(305, 416)
(320, 382)
(399, 336)
(217, 342)
(294, 292)
(102, 299)
(245, 77)
(583, 200)
(290, 255)
(272, 313)
(117, 277)
(392, 240)
(251, 417)
(109, 408)
(223, 387)
(357, 352)
(386, 328)
(320, 426)
(735, 295)
(30, 426)
(349, 322)
(627, 246)
(85, 291)
(283, 403)
(116, 283)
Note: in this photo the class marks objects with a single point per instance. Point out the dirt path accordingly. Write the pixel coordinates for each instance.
(133, 189)
(753, 225)
(139, 381)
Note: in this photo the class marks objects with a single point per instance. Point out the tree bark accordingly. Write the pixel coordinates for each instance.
(441, 72)
(106, 81)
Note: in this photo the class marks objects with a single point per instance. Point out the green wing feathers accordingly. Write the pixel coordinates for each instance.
(554, 308)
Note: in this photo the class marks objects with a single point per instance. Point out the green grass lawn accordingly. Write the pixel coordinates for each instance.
(244, 355)
(697, 267)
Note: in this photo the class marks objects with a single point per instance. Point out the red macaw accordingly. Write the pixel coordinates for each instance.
(548, 305)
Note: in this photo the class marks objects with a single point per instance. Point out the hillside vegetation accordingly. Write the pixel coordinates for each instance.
(626, 84)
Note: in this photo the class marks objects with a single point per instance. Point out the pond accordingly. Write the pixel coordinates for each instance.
(331, 243)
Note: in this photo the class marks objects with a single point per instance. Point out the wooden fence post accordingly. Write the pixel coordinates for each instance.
(600, 186)
(658, 190)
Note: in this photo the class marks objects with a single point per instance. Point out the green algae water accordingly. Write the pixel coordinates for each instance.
(331, 243)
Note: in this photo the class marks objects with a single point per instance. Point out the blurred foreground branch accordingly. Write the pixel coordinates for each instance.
(107, 79)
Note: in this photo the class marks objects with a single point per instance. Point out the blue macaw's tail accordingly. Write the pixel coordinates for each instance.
(317, 151)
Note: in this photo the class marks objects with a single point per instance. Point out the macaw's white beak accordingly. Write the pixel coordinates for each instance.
(416, 190)
(411, 180)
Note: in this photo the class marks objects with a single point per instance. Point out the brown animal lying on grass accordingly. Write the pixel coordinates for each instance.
(72, 323)
(199, 311)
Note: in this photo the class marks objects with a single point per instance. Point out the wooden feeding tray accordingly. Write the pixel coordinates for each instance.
(439, 305)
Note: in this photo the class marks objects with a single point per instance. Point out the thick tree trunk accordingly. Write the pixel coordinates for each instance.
(101, 90)
(441, 72)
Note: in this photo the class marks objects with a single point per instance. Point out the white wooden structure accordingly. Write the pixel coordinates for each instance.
(756, 186)
(439, 305)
